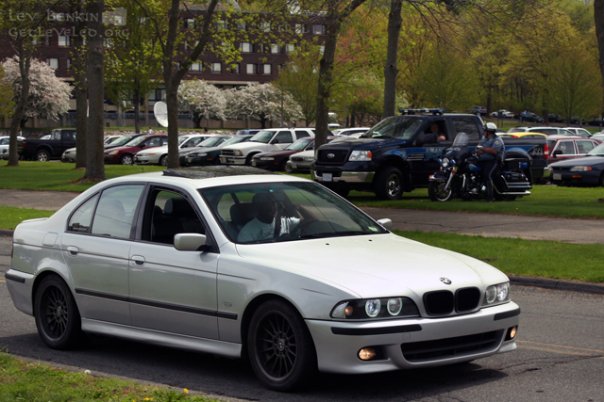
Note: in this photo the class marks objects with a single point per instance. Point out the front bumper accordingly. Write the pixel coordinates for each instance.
(232, 160)
(414, 343)
(576, 178)
(324, 176)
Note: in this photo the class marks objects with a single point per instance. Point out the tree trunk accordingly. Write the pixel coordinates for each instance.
(19, 114)
(81, 121)
(599, 18)
(95, 169)
(172, 102)
(390, 69)
(326, 80)
(137, 105)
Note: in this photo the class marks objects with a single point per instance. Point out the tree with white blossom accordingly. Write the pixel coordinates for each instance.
(263, 102)
(204, 100)
(48, 96)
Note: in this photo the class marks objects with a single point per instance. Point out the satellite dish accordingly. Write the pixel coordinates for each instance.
(160, 111)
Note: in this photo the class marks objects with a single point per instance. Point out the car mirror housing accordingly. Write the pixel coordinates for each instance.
(386, 223)
(189, 241)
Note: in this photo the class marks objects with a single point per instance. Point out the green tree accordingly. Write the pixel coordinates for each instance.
(6, 100)
(599, 23)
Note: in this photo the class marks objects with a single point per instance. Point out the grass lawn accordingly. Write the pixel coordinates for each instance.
(11, 216)
(532, 258)
(28, 381)
(57, 176)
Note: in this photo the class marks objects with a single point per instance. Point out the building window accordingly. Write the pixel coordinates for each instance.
(216, 68)
(318, 29)
(275, 49)
(195, 66)
(246, 47)
(265, 26)
(63, 40)
(53, 63)
(300, 28)
(266, 69)
(250, 69)
(321, 50)
(190, 23)
(289, 48)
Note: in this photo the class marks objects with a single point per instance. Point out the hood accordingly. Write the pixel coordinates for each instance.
(364, 143)
(584, 161)
(123, 149)
(375, 265)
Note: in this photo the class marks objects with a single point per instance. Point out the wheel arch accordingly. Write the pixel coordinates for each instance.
(39, 279)
(400, 164)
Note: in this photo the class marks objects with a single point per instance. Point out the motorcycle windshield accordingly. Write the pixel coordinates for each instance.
(461, 140)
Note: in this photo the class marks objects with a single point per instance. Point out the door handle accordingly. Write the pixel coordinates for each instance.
(73, 250)
(138, 259)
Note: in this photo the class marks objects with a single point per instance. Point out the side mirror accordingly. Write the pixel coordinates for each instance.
(189, 241)
(386, 223)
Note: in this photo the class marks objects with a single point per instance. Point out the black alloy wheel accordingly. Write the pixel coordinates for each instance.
(57, 317)
(279, 346)
(389, 184)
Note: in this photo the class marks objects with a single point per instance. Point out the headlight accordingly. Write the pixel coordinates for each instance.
(445, 162)
(581, 169)
(237, 153)
(267, 158)
(381, 308)
(112, 152)
(497, 293)
(197, 155)
(360, 156)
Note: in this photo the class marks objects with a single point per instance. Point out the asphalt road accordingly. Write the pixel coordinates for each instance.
(560, 358)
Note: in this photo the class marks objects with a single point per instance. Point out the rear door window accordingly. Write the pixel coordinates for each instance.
(584, 147)
(465, 124)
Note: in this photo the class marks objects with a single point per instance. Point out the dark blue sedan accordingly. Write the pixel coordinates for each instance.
(586, 171)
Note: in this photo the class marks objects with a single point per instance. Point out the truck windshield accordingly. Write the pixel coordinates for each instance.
(395, 127)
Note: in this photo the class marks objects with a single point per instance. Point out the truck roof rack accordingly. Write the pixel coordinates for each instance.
(433, 111)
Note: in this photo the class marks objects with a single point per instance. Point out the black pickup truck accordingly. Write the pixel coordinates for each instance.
(43, 150)
(400, 153)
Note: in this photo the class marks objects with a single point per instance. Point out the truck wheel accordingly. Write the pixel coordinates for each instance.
(388, 184)
(42, 155)
(437, 192)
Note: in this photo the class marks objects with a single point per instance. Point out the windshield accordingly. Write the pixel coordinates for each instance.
(395, 127)
(4, 140)
(236, 139)
(211, 142)
(284, 211)
(461, 140)
(122, 140)
(135, 141)
(597, 151)
(299, 145)
(263, 137)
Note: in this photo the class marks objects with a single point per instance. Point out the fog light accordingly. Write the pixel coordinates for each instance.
(512, 332)
(366, 354)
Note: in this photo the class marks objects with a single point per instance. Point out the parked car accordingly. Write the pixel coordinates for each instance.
(585, 171)
(208, 151)
(5, 143)
(271, 139)
(276, 160)
(503, 114)
(70, 154)
(581, 132)
(598, 136)
(530, 117)
(247, 131)
(541, 129)
(52, 148)
(125, 154)
(562, 147)
(160, 257)
(301, 162)
(479, 110)
(525, 134)
(159, 155)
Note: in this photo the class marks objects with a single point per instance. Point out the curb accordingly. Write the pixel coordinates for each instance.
(583, 287)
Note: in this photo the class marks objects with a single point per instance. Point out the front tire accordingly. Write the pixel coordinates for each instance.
(280, 349)
(437, 192)
(389, 184)
(57, 316)
(127, 159)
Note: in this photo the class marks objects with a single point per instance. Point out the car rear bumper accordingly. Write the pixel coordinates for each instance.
(414, 343)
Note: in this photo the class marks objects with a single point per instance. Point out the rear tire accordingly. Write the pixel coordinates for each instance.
(389, 184)
(163, 161)
(57, 316)
(42, 155)
(279, 346)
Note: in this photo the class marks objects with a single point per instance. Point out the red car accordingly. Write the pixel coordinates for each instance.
(125, 154)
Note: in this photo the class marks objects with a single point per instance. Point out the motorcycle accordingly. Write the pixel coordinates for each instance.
(459, 175)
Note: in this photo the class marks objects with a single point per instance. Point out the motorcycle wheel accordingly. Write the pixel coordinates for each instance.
(437, 192)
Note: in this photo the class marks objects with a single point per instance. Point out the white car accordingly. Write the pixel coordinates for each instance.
(581, 132)
(543, 130)
(268, 140)
(273, 268)
(503, 113)
(5, 143)
(159, 155)
(300, 162)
